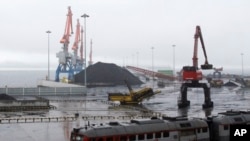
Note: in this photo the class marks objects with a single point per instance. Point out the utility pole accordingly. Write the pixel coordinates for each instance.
(48, 56)
(85, 46)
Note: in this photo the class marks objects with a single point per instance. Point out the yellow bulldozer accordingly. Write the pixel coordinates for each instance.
(133, 97)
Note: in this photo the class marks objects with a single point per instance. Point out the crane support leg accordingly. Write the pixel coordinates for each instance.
(65, 68)
(183, 102)
(207, 99)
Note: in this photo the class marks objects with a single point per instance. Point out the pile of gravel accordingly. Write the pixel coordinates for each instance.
(6, 97)
(107, 74)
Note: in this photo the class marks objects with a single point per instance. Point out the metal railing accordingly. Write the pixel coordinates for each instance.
(37, 91)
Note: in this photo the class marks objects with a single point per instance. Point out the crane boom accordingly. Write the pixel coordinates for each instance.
(197, 35)
(77, 37)
(68, 29)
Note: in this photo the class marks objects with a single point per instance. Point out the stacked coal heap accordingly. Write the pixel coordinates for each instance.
(6, 97)
(106, 74)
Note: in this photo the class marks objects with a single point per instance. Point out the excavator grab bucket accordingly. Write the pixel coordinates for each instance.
(206, 66)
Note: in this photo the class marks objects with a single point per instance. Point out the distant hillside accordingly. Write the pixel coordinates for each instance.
(106, 74)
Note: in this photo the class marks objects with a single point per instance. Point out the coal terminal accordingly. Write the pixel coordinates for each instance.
(6, 97)
(106, 74)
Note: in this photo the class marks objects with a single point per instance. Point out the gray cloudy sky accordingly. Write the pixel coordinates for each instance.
(124, 30)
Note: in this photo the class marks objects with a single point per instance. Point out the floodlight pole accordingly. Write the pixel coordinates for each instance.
(48, 55)
(85, 46)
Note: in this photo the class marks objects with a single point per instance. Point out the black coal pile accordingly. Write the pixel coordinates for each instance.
(6, 97)
(106, 74)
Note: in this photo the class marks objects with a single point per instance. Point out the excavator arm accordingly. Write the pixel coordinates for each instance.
(197, 35)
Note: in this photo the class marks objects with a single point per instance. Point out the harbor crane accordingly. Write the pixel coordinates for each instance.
(68, 62)
(77, 62)
(191, 75)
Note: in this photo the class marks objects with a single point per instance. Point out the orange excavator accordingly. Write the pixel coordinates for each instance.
(191, 75)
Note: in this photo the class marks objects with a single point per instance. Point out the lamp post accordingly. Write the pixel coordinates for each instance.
(153, 64)
(242, 69)
(85, 46)
(48, 32)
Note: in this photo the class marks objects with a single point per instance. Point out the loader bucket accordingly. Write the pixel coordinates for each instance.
(206, 66)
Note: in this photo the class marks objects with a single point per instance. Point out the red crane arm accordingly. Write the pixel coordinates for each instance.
(77, 36)
(197, 35)
(68, 28)
(203, 46)
(195, 58)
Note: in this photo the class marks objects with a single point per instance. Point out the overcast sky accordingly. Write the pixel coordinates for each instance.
(123, 31)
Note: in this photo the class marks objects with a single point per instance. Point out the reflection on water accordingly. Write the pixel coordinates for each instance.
(185, 112)
(208, 112)
(67, 127)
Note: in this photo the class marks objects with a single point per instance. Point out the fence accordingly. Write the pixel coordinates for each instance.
(43, 91)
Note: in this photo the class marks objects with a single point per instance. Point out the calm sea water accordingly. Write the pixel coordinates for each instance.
(23, 78)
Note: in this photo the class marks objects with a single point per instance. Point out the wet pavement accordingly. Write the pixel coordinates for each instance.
(225, 98)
